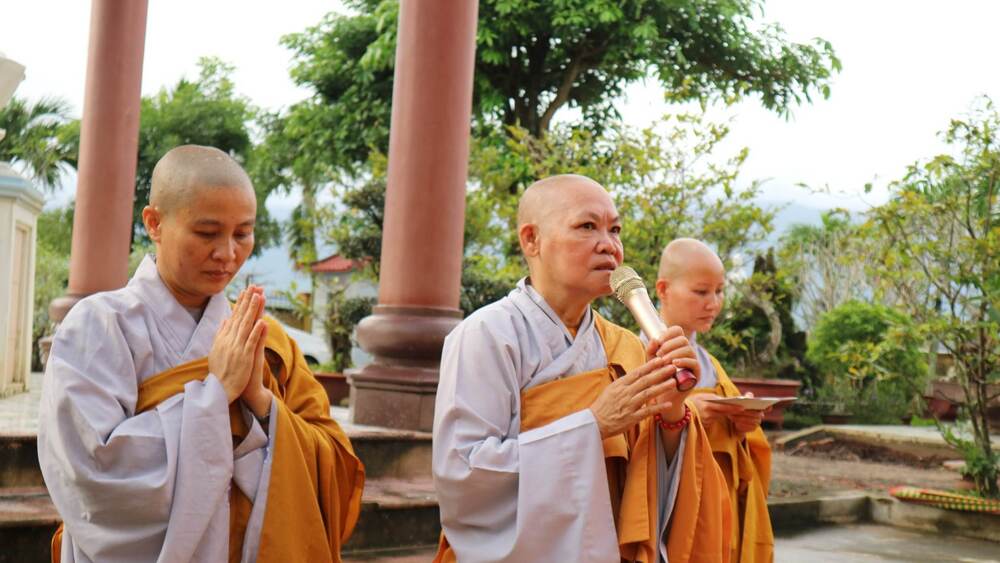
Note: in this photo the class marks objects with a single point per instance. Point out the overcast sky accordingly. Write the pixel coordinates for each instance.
(909, 66)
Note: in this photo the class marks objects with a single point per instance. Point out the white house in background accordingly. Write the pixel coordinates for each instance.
(332, 273)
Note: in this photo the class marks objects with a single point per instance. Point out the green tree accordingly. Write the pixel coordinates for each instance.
(204, 111)
(869, 354)
(54, 230)
(40, 139)
(828, 262)
(941, 263)
(534, 59)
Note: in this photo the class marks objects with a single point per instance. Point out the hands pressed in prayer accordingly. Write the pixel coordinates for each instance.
(256, 396)
(239, 342)
(629, 399)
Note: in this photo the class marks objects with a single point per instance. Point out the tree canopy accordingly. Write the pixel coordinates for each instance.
(40, 139)
(535, 57)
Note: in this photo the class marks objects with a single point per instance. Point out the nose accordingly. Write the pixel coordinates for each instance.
(225, 250)
(607, 244)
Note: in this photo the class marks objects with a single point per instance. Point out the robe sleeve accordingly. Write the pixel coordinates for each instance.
(130, 487)
(312, 481)
(252, 454)
(540, 495)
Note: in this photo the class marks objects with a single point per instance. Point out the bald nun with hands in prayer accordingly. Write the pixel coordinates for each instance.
(690, 286)
(545, 445)
(175, 426)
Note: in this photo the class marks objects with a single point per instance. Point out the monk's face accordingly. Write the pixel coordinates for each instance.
(201, 245)
(694, 298)
(579, 242)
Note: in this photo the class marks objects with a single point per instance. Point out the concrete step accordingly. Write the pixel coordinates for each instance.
(388, 453)
(27, 522)
(398, 518)
(19, 461)
(396, 513)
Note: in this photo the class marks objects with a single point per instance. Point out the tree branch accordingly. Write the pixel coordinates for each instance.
(562, 94)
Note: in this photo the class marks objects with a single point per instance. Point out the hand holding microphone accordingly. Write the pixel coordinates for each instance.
(629, 289)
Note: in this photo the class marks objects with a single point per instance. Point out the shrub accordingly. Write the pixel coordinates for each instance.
(870, 359)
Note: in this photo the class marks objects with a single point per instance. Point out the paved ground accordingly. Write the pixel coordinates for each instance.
(870, 543)
(19, 413)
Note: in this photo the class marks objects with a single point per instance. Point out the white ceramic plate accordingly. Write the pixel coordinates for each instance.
(752, 403)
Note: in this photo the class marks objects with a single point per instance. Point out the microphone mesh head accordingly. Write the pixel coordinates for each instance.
(624, 280)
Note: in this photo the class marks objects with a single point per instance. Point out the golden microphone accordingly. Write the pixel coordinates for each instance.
(630, 290)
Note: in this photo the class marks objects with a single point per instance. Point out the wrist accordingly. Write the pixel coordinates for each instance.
(673, 424)
(259, 402)
(675, 413)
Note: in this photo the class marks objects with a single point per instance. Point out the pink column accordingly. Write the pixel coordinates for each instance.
(109, 140)
(421, 265)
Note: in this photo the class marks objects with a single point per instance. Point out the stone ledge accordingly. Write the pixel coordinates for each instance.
(894, 512)
(807, 512)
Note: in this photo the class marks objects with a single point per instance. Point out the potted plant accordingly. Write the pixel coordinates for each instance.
(836, 401)
(343, 314)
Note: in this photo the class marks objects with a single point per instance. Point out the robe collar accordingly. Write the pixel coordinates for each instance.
(567, 351)
(187, 339)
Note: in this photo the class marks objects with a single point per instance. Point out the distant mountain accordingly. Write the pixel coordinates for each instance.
(794, 213)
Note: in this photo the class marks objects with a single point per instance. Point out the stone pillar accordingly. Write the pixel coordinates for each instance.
(421, 263)
(109, 141)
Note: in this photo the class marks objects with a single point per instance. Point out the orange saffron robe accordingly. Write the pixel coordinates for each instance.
(314, 495)
(700, 528)
(746, 463)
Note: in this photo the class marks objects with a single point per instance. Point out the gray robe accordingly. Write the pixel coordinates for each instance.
(153, 486)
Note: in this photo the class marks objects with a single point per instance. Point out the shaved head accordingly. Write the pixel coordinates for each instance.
(546, 197)
(687, 254)
(690, 285)
(186, 169)
(568, 229)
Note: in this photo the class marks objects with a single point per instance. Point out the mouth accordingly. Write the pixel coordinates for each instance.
(218, 275)
(607, 267)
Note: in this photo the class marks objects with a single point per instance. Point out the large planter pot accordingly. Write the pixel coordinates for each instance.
(770, 388)
(944, 397)
(335, 384)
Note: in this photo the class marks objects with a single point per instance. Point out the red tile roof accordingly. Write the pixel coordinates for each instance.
(334, 264)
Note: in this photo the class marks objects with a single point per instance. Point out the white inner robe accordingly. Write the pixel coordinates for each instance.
(504, 495)
(153, 486)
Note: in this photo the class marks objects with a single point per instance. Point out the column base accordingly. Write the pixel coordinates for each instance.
(60, 306)
(398, 388)
(393, 397)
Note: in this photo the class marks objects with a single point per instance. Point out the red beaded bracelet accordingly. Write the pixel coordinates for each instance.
(674, 425)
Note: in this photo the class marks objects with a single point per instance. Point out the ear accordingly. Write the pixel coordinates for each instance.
(661, 290)
(153, 220)
(527, 235)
